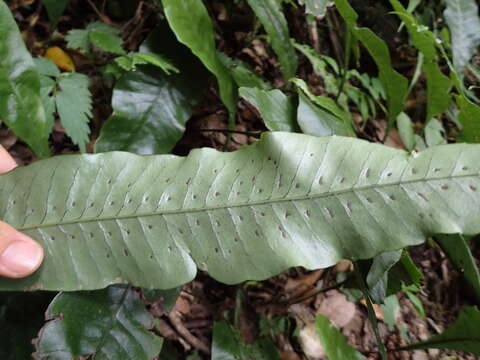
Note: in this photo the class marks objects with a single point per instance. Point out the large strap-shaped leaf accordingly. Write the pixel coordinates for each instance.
(288, 200)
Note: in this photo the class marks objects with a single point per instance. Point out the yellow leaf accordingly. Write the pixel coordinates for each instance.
(60, 58)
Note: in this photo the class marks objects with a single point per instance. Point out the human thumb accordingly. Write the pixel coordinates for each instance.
(20, 256)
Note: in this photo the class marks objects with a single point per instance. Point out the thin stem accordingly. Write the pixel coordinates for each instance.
(371, 312)
(346, 62)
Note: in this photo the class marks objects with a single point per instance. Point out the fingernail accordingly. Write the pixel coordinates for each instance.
(21, 257)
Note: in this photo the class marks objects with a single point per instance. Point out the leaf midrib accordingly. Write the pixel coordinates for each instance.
(250, 204)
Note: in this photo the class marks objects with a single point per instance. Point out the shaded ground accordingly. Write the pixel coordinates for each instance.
(292, 296)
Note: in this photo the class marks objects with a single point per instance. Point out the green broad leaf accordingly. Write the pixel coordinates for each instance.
(396, 85)
(457, 249)
(243, 75)
(21, 105)
(150, 107)
(193, 27)
(406, 131)
(270, 14)
(150, 113)
(333, 341)
(55, 9)
(438, 84)
(463, 335)
(404, 274)
(315, 7)
(107, 42)
(105, 324)
(287, 200)
(377, 277)
(464, 22)
(315, 120)
(469, 117)
(326, 103)
(276, 109)
(74, 103)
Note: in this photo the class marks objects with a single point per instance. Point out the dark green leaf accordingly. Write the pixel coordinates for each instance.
(270, 14)
(458, 251)
(396, 86)
(55, 9)
(74, 104)
(334, 343)
(438, 84)
(276, 108)
(377, 278)
(243, 75)
(21, 107)
(193, 27)
(106, 324)
(463, 335)
(469, 117)
(151, 108)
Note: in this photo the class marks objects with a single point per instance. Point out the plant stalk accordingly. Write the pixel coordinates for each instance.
(371, 313)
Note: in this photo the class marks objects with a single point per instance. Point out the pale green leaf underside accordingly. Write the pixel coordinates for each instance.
(288, 200)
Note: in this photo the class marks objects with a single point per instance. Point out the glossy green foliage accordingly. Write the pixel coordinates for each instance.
(227, 345)
(288, 200)
(457, 249)
(21, 106)
(469, 117)
(463, 335)
(193, 27)
(270, 14)
(55, 9)
(334, 343)
(464, 22)
(395, 84)
(151, 107)
(438, 84)
(276, 109)
(107, 324)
